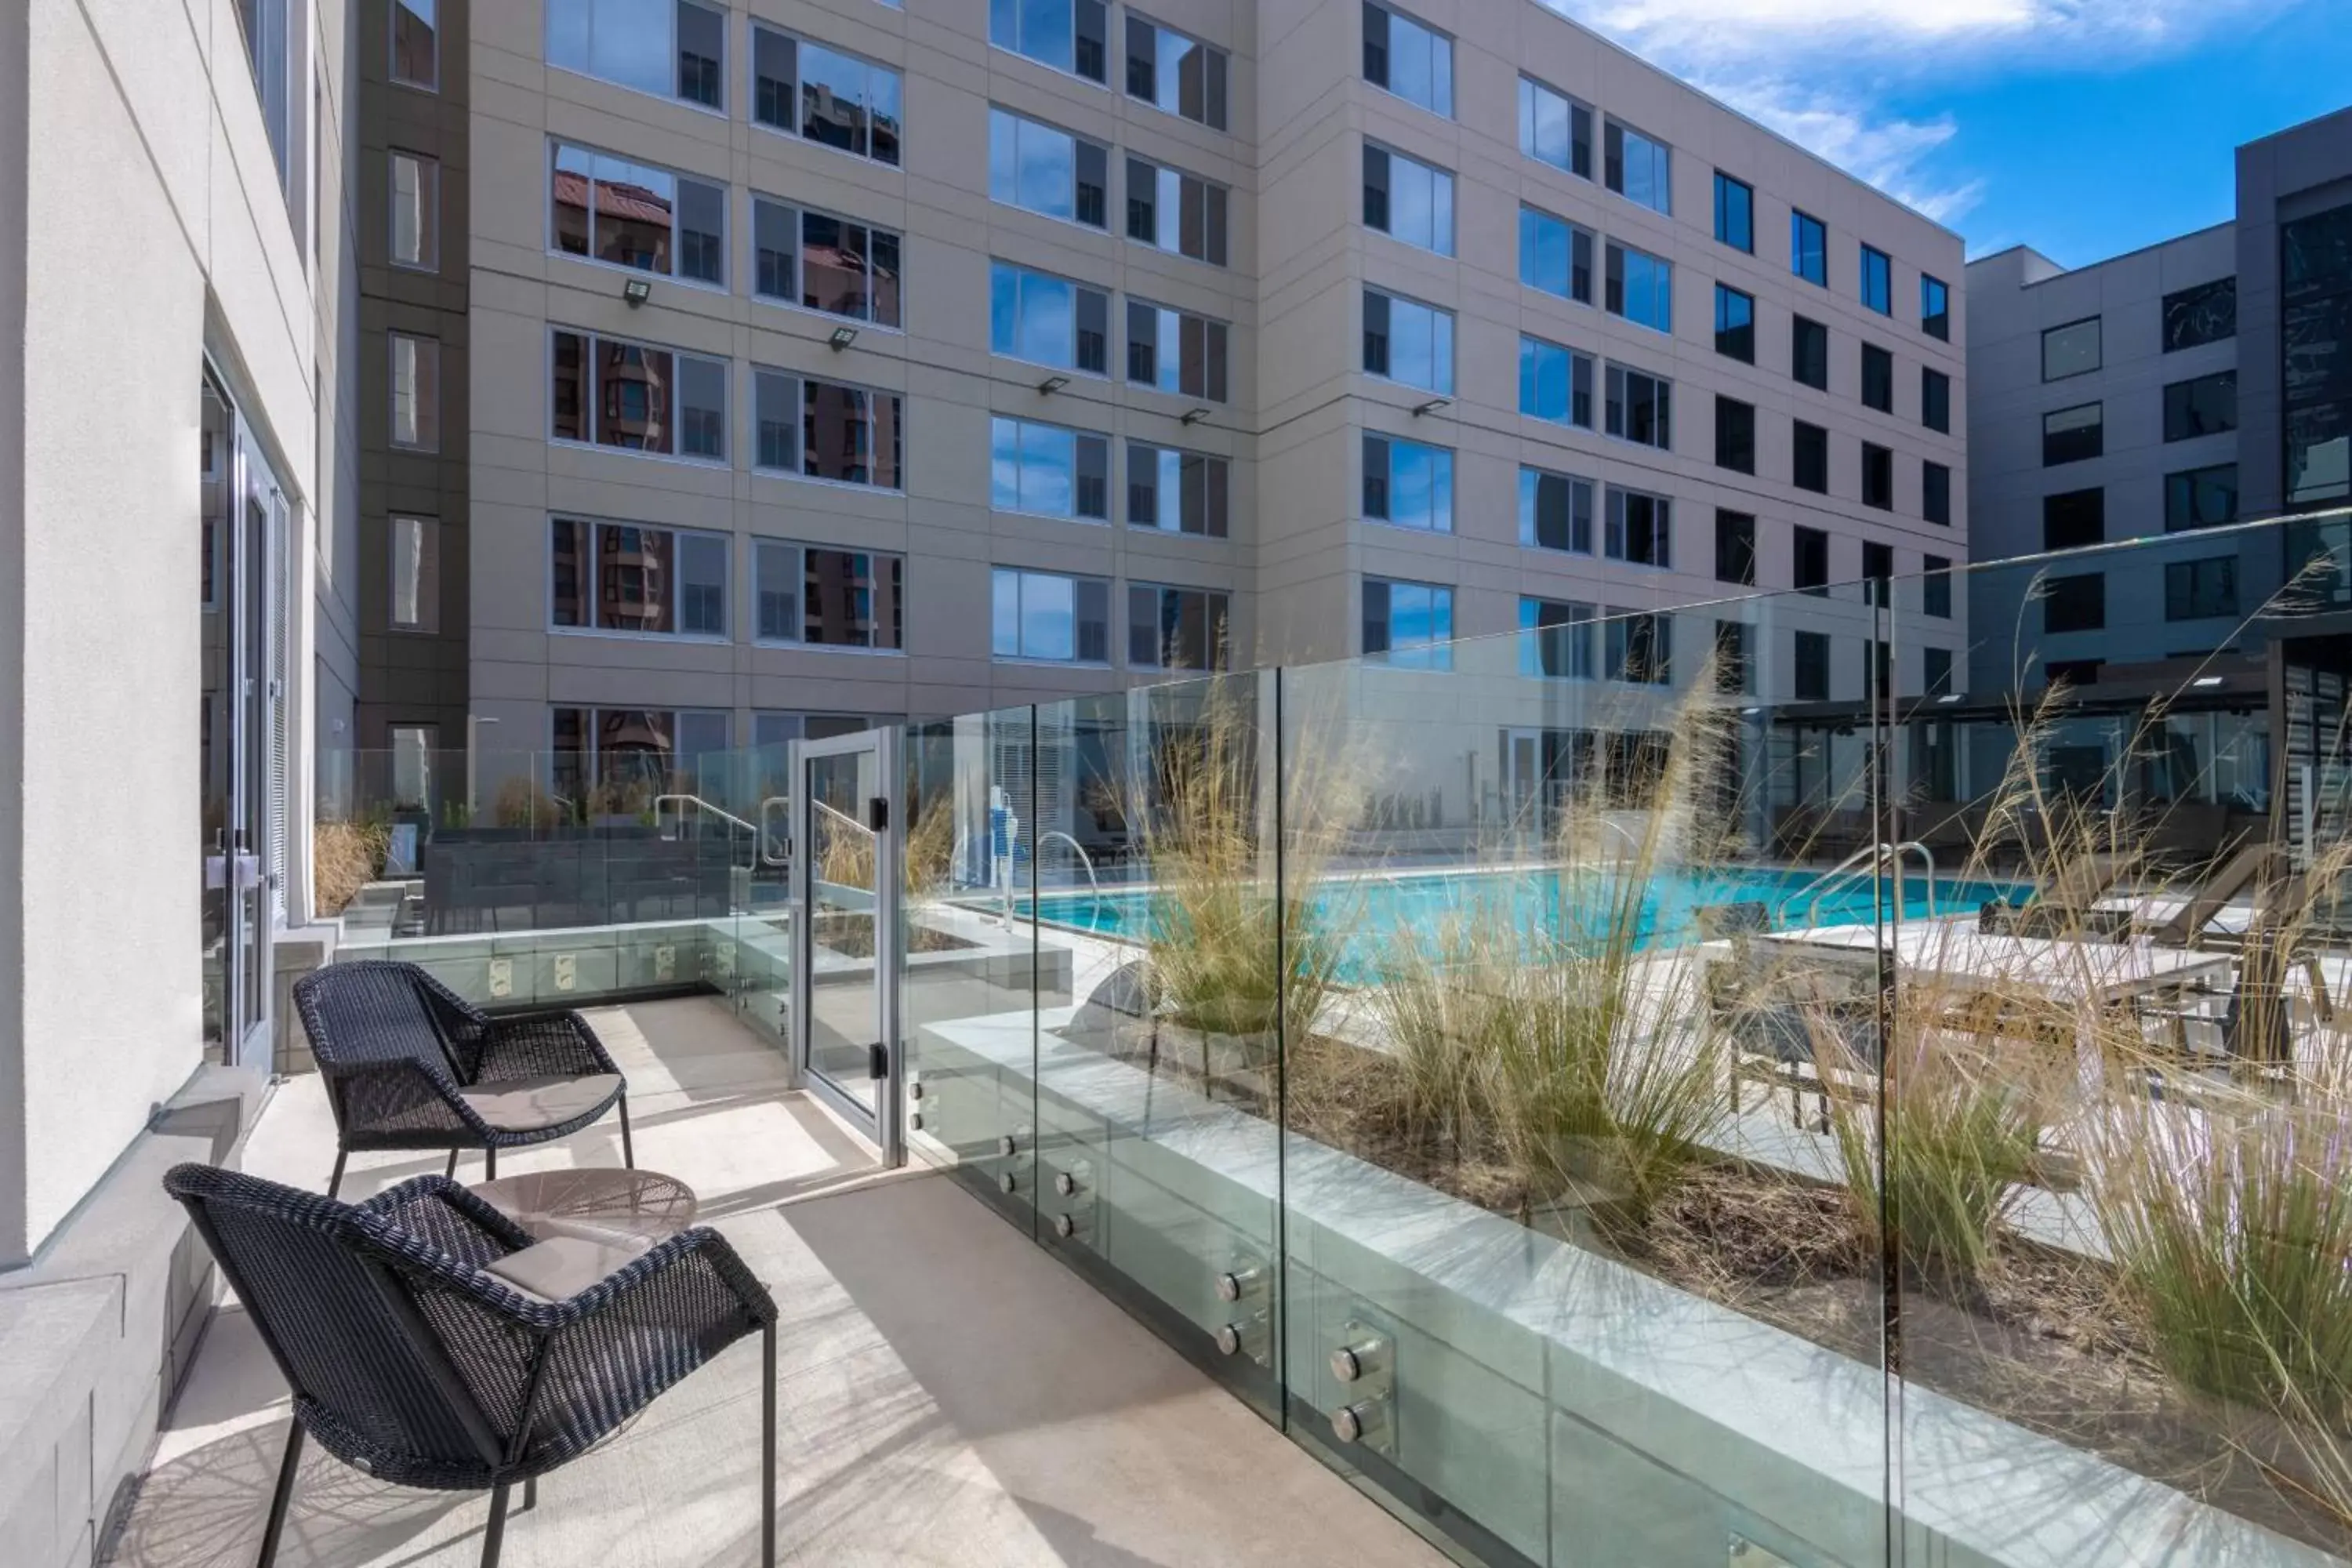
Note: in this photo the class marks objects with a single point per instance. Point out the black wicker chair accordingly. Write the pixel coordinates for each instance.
(410, 1065)
(409, 1360)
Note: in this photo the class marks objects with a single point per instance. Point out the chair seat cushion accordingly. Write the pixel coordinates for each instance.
(533, 1104)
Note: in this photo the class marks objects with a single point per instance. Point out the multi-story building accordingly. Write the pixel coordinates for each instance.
(758, 370)
(2196, 383)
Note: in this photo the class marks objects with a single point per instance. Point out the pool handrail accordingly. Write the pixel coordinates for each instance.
(1852, 868)
(1085, 860)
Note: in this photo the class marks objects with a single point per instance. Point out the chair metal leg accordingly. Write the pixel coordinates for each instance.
(490, 1163)
(283, 1497)
(768, 1447)
(529, 1494)
(496, 1533)
(628, 1149)
(450, 1171)
(335, 1182)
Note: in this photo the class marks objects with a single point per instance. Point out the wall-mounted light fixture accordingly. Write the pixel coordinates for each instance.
(1195, 415)
(2207, 681)
(637, 291)
(841, 338)
(1433, 406)
(1052, 383)
(1949, 697)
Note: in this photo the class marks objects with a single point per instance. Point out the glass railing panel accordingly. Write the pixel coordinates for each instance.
(1156, 910)
(970, 961)
(2115, 1118)
(1572, 1267)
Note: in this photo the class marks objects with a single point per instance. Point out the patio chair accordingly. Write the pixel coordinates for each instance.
(411, 1360)
(2067, 904)
(410, 1065)
(2252, 863)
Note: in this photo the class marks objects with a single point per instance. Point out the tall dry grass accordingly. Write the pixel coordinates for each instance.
(345, 857)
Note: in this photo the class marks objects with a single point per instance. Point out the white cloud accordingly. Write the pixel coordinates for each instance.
(1820, 72)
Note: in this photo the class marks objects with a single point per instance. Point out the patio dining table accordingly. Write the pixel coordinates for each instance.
(1955, 953)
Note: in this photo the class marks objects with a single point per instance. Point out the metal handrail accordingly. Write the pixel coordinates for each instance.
(1870, 857)
(683, 801)
(767, 813)
(1084, 858)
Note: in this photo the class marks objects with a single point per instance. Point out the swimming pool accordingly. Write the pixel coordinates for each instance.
(1370, 907)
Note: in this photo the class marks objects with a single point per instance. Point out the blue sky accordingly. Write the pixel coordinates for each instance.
(2083, 127)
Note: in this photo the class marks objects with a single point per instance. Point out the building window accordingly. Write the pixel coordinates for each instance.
(1734, 675)
(1047, 321)
(1734, 548)
(2200, 498)
(2070, 350)
(1177, 492)
(2074, 519)
(1408, 342)
(1808, 247)
(1877, 379)
(1071, 36)
(1555, 383)
(820, 262)
(1410, 624)
(1040, 169)
(670, 48)
(612, 392)
(823, 430)
(1409, 59)
(1555, 128)
(1810, 559)
(1735, 213)
(824, 96)
(1176, 629)
(1877, 573)
(2205, 406)
(1734, 323)
(1640, 529)
(1408, 485)
(830, 599)
(1877, 476)
(1935, 308)
(1046, 616)
(2314, 319)
(1935, 493)
(2201, 589)
(1808, 352)
(1809, 459)
(1638, 648)
(1640, 286)
(2075, 603)
(415, 574)
(1877, 280)
(1048, 469)
(1555, 256)
(1175, 350)
(610, 210)
(1637, 167)
(1734, 435)
(2071, 435)
(1935, 399)
(1640, 407)
(1936, 587)
(416, 43)
(415, 393)
(1404, 199)
(2206, 314)
(1173, 211)
(1561, 648)
(1175, 73)
(1812, 670)
(1555, 511)
(415, 212)
(650, 581)
(626, 755)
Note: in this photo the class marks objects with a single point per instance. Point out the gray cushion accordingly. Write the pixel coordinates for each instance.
(530, 1104)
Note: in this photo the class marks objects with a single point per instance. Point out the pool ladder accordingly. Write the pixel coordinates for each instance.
(1869, 860)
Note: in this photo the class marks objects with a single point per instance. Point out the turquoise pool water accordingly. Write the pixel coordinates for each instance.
(1545, 900)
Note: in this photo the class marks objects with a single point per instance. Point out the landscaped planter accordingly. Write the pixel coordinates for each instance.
(1571, 1408)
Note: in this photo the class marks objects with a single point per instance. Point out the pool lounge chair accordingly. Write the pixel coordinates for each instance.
(2255, 864)
(2068, 904)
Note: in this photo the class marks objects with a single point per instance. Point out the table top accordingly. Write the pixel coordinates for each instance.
(586, 1223)
(2062, 969)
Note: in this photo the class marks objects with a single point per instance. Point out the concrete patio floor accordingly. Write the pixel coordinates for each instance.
(949, 1395)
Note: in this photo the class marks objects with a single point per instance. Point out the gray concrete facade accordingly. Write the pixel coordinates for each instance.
(1290, 297)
